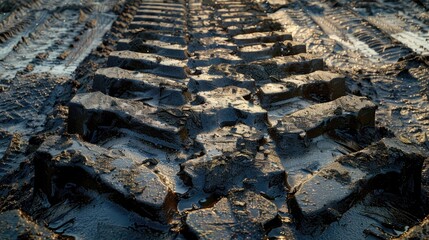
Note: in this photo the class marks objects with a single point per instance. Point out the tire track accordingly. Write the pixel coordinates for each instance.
(351, 23)
(216, 119)
(198, 84)
(42, 45)
(408, 27)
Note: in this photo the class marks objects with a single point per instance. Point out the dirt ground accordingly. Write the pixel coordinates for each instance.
(203, 119)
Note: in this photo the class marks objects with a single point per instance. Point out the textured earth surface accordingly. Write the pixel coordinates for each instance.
(204, 119)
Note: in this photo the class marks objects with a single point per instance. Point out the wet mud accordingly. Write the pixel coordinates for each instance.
(279, 119)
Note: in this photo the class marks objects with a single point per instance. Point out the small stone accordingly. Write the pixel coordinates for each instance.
(239, 203)
(422, 138)
(78, 159)
(151, 161)
(29, 68)
(63, 55)
(404, 139)
(42, 56)
(91, 24)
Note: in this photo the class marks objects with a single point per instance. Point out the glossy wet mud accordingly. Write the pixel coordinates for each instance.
(213, 119)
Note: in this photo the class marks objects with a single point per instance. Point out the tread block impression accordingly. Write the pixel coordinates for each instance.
(62, 160)
(280, 67)
(261, 37)
(347, 112)
(175, 51)
(158, 26)
(90, 113)
(225, 106)
(266, 25)
(270, 50)
(315, 85)
(234, 156)
(124, 83)
(166, 37)
(241, 213)
(218, 76)
(388, 164)
(150, 63)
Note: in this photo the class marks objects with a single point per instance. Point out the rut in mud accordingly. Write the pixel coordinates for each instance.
(213, 119)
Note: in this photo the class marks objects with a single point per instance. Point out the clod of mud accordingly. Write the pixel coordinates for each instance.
(348, 112)
(63, 55)
(224, 106)
(91, 24)
(148, 87)
(241, 213)
(318, 84)
(218, 76)
(29, 68)
(234, 156)
(93, 113)
(280, 67)
(61, 162)
(42, 56)
(149, 63)
(388, 164)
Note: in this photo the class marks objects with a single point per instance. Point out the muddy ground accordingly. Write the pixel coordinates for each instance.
(202, 119)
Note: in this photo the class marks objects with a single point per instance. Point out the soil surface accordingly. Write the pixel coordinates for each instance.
(202, 119)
